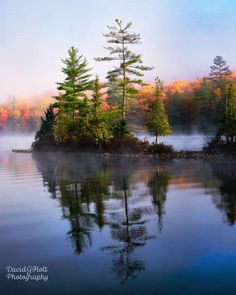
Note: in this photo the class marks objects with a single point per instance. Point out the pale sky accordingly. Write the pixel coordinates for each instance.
(180, 38)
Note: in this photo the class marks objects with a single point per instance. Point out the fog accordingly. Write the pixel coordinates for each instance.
(192, 142)
(16, 141)
(188, 142)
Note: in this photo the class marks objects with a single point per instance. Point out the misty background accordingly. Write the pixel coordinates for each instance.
(180, 38)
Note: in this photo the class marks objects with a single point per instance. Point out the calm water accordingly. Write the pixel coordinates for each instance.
(118, 226)
(193, 142)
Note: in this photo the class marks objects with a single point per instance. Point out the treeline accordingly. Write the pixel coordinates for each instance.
(189, 105)
(198, 106)
(23, 114)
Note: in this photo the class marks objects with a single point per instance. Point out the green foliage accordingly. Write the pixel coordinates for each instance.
(156, 118)
(72, 102)
(219, 76)
(175, 109)
(204, 106)
(63, 126)
(121, 128)
(230, 123)
(45, 136)
(97, 128)
(130, 66)
(77, 79)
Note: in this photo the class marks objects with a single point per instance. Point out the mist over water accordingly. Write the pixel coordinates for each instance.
(180, 142)
(16, 141)
(118, 225)
(192, 142)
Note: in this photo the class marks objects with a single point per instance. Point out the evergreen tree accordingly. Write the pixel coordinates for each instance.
(156, 118)
(219, 70)
(219, 76)
(230, 124)
(97, 129)
(73, 101)
(130, 66)
(204, 115)
(114, 95)
(63, 123)
(45, 136)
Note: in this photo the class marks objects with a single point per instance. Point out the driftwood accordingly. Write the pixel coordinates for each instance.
(23, 151)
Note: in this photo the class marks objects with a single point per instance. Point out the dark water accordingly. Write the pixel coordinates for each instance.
(118, 226)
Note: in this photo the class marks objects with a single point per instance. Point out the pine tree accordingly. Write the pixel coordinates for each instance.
(219, 76)
(156, 118)
(97, 128)
(230, 124)
(62, 123)
(44, 136)
(130, 66)
(73, 100)
(219, 70)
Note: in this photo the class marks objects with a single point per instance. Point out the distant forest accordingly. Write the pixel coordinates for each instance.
(190, 106)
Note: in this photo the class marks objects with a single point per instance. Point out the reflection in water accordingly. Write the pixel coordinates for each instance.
(116, 194)
(225, 200)
(82, 193)
(158, 184)
(128, 231)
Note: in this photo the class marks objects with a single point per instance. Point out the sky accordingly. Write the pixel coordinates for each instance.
(180, 38)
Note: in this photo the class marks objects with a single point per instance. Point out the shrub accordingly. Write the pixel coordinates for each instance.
(126, 144)
(159, 148)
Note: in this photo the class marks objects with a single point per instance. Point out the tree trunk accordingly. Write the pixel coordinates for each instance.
(156, 140)
(124, 77)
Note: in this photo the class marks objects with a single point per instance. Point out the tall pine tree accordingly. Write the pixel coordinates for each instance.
(219, 70)
(129, 70)
(73, 101)
(219, 76)
(156, 118)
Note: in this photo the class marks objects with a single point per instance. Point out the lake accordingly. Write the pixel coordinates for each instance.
(117, 226)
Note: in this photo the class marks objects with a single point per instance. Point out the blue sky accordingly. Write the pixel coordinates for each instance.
(180, 37)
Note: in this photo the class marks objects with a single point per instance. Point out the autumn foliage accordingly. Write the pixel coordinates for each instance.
(23, 113)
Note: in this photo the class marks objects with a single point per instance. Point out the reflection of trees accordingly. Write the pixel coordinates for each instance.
(226, 201)
(77, 186)
(129, 232)
(158, 185)
(80, 218)
(96, 189)
(47, 170)
(83, 185)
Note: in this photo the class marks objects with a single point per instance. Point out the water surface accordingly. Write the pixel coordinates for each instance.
(118, 226)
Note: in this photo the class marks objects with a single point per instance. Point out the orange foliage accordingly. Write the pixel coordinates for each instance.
(3, 117)
(24, 113)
